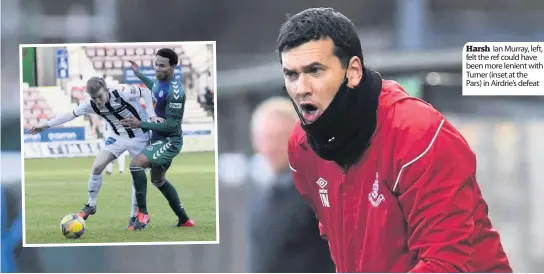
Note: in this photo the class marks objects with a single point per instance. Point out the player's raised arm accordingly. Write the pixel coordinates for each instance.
(146, 80)
(57, 121)
(173, 116)
(82, 109)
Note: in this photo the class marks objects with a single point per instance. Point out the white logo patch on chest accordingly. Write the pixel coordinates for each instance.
(375, 197)
(323, 193)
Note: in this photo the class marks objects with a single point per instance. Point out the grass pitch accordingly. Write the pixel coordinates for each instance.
(56, 187)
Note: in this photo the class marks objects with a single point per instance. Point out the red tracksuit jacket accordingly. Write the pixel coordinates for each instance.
(411, 204)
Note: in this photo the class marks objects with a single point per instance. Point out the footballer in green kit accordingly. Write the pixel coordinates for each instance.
(166, 140)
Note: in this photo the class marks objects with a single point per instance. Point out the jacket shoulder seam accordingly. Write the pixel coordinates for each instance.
(419, 156)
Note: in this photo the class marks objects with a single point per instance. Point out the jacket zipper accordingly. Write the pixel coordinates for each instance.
(342, 182)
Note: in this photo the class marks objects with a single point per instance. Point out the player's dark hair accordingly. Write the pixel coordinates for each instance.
(320, 23)
(170, 54)
(94, 84)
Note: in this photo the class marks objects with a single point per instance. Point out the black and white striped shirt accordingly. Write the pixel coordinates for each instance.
(124, 102)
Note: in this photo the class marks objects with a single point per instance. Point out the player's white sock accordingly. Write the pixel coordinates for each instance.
(121, 162)
(134, 203)
(95, 182)
(109, 167)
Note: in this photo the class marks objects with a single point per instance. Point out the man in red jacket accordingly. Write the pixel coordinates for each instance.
(391, 180)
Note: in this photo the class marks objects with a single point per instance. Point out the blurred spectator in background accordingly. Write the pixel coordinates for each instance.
(209, 101)
(283, 230)
(209, 97)
(42, 115)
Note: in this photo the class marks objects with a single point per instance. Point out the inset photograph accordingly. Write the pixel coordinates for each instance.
(119, 144)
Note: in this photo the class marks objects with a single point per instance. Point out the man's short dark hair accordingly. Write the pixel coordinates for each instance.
(321, 23)
(170, 54)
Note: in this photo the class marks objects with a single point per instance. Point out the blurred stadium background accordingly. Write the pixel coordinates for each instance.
(416, 42)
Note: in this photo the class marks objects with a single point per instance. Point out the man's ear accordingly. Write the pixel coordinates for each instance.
(354, 72)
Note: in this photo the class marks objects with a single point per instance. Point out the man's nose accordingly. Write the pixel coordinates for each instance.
(303, 86)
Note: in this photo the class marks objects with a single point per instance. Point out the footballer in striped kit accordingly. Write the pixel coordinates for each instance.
(113, 104)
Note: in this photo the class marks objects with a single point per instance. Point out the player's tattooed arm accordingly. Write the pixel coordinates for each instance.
(148, 82)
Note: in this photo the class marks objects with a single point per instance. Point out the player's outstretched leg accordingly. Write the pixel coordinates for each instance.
(121, 162)
(103, 158)
(137, 169)
(134, 209)
(158, 178)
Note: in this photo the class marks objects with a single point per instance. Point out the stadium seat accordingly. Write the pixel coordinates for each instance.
(98, 65)
(91, 52)
(35, 105)
(147, 63)
(100, 52)
(129, 51)
(33, 121)
(110, 52)
(43, 116)
(118, 64)
(142, 55)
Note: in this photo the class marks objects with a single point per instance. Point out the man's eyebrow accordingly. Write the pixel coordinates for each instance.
(286, 70)
(306, 68)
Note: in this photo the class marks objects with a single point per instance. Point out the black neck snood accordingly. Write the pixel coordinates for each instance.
(343, 131)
